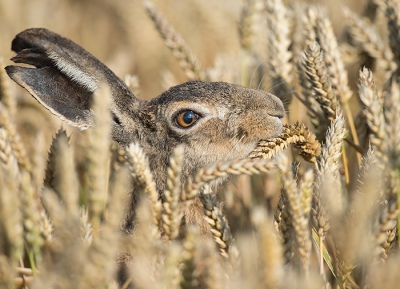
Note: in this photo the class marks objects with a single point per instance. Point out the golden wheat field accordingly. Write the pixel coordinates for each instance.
(314, 207)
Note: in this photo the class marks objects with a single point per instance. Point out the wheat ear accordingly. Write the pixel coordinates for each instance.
(143, 179)
(5, 94)
(188, 265)
(32, 235)
(298, 135)
(97, 156)
(223, 169)
(51, 157)
(65, 180)
(367, 38)
(278, 47)
(389, 215)
(392, 8)
(373, 113)
(104, 247)
(297, 213)
(170, 215)
(174, 42)
(327, 198)
(219, 225)
(245, 23)
(11, 218)
(278, 40)
(284, 225)
(316, 114)
(315, 69)
(336, 70)
(211, 272)
(270, 250)
(15, 139)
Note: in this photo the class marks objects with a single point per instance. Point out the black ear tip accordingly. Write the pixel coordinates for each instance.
(15, 73)
(11, 69)
(24, 39)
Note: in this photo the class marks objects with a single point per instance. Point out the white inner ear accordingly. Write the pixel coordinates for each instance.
(73, 72)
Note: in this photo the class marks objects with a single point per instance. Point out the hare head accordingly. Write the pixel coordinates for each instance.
(214, 121)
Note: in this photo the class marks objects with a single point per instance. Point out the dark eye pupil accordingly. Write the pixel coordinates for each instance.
(188, 117)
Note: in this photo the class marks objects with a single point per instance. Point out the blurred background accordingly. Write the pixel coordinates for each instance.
(120, 33)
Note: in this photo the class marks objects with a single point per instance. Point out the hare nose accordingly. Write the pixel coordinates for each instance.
(277, 114)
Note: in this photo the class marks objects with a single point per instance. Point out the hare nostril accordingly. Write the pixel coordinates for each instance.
(277, 114)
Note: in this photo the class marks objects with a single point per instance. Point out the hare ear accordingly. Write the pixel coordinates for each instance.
(66, 76)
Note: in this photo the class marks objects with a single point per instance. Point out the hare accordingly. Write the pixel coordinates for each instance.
(214, 121)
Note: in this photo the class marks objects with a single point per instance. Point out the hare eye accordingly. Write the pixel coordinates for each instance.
(186, 118)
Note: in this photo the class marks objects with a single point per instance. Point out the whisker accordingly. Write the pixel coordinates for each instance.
(276, 85)
(234, 146)
(261, 81)
(254, 71)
